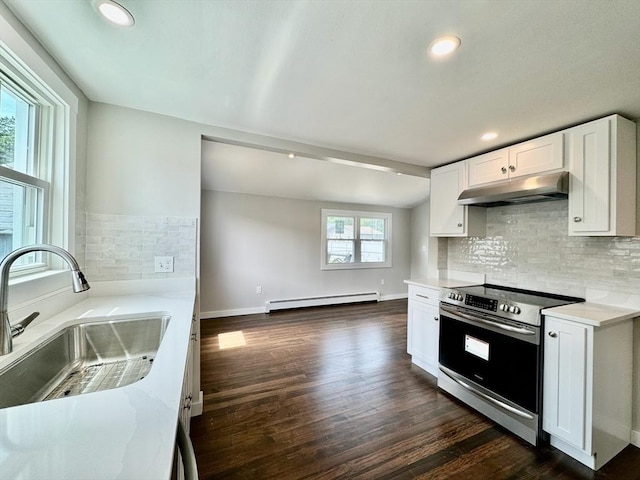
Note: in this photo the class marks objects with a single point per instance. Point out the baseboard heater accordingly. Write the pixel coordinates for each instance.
(318, 301)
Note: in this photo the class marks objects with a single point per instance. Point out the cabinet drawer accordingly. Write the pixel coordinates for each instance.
(428, 295)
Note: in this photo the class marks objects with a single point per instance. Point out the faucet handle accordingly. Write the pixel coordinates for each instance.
(18, 328)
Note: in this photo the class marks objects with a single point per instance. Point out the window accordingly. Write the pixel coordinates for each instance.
(24, 172)
(355, 239)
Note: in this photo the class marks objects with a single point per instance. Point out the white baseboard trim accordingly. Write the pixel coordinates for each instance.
(231, 313)
(393, 296)
(253, 310)
(635, 438)
(196, 407)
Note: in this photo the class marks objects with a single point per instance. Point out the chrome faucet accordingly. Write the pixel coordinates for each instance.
(6, 331)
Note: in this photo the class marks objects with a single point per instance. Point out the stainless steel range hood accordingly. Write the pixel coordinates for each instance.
(536, 188)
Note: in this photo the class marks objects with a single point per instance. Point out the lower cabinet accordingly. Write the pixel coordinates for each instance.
(587, 396)
(187, 399)
(423, 327)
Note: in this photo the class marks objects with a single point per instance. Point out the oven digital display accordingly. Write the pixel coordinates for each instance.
(481, 302)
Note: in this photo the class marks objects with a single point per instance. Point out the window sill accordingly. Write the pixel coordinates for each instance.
(26, 288)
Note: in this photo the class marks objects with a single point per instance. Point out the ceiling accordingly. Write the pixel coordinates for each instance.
(225, 167)
(354, 75)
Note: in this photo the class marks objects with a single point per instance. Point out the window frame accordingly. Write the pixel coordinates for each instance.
(358, 241)
(50, 127)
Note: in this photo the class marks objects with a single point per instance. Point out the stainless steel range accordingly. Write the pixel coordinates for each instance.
(491, 352)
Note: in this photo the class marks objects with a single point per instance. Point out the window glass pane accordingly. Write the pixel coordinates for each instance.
(372, 251)
(340, 251)
(19, 222)
(372, 229)
(15, 132)
(340, 227)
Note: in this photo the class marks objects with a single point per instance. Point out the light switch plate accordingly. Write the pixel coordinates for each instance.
(163, 264)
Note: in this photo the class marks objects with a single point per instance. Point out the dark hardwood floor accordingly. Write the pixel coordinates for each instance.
(330, 392)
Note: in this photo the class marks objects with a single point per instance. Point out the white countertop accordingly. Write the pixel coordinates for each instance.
(590, 313)
(123, 433)
(440, 282)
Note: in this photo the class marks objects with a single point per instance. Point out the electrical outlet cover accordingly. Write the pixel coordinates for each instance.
(163, 264)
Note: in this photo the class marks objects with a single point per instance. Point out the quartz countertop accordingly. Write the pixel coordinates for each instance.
(440, 282)
(590, 313)
(123, 433)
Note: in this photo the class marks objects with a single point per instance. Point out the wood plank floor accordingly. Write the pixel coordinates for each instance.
(330, 392)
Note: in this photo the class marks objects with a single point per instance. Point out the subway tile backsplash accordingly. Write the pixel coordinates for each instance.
(527, 246)
(123, 247)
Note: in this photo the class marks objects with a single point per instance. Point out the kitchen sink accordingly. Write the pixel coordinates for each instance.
(84, 358)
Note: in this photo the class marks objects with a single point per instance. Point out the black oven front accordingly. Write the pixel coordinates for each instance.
(494, 365)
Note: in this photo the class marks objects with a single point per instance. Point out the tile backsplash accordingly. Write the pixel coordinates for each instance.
(527, 246)
(123, 247)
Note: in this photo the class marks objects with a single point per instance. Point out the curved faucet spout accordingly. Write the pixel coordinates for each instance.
(79, 284)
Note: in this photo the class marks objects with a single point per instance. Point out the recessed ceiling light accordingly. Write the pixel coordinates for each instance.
(292, 155)
(489, 136)
(443, 46)
(115, 13)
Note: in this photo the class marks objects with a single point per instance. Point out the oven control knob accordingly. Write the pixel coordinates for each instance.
(459, 297)
(451, 295)
(514, 309)
(504, 307)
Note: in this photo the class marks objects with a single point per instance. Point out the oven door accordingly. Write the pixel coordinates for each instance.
(502, 357)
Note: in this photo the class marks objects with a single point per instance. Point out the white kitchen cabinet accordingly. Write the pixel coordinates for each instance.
(186, 397)
(543, 154)
(602, 184)
(423, 327)
(587, 377)
(446, 217)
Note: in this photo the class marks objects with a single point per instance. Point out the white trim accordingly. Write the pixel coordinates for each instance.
(357, 240)
(393, 296)
(231, 313)
(635, 438)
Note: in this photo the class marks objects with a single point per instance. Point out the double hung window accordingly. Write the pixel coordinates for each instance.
(24, 172)
(355, 239)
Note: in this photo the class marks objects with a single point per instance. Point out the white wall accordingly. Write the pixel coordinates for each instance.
(251, 240)
(141, 163)
(420, 241)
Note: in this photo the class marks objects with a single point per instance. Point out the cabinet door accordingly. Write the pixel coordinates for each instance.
(447, 218)
(589, 189)
(425, 328)
(487, 168)
(536, 156)
(564, 381)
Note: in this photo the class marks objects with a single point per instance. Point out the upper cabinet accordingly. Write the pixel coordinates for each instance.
(602, 185)
(447, 218)
(539, 155)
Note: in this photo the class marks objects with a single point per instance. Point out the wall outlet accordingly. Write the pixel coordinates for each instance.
(163, 264)
(259, 289)
(382, 281)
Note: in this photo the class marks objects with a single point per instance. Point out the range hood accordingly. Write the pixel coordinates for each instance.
(535, 188)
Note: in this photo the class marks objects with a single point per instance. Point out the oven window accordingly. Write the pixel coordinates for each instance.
(498, 362)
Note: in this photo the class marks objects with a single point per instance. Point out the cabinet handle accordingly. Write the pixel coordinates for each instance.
(512, 168)
(436, 318)
(577, 219)
(553, 334)
(459, 224)
(503, 170)
(422, 296)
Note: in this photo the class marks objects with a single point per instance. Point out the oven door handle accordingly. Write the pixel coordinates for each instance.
(472, 318)
(475, 391)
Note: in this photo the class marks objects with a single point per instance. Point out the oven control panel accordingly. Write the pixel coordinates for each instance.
(484, 303)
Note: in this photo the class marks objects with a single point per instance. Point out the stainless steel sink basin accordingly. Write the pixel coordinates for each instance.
(84, 358)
